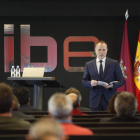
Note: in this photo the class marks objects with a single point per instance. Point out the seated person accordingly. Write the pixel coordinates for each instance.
(45, 129)
(22, 93)
(7, 121)
(110, 107)
(76, 104)
(17, 113)
(60, 108)
(76, 91)
(125, 105)
(111, 103)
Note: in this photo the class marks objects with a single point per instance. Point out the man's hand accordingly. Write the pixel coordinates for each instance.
(93, 83)
(109, 86)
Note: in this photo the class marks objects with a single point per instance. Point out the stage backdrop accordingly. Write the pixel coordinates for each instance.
(63, 40)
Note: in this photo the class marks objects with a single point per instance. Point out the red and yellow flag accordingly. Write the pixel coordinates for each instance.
(137, 73)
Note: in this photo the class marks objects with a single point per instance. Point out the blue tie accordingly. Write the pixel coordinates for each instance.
(101, 69)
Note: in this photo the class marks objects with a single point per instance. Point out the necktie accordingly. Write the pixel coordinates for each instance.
(101, 69)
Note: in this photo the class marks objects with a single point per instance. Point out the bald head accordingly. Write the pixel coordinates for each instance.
(73, 97)
(75, 100)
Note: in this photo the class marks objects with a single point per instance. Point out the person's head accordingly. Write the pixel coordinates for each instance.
(74, 90)
(111, 103)
(45, 129)
(6, 98)
(75, 100)
(125, 104)
(101, 49)
(60, 106)
(16, 103)
(23, 95)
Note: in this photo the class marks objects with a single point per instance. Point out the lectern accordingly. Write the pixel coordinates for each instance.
(38, 83)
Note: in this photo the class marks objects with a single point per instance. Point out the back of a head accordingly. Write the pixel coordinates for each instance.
(75, 100)
(125, 104)
(59, 106)
(6, 97)
(74, 90)
(46, 129)
(16, 103)
(111, 103)
(22, 93)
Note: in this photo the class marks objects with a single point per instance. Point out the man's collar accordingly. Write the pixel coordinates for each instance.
(64, 121)
(100, 59)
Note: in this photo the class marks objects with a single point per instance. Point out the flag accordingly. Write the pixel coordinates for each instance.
(137, 73)
(125, 64)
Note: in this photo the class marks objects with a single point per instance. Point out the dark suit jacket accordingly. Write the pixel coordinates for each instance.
(13, 122)
(19, 114)
(26, 107)
(123, 119)
(112, 72)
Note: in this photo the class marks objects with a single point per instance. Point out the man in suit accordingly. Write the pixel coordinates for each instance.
(23, 95)
(17, 113)
(102, 69)
(7, 121)
(125, 106)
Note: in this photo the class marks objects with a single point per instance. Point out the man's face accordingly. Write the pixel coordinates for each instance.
(101, 50)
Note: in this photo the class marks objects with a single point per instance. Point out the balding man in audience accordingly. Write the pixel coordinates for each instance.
(125, 106)
(60, 108)
(77, 92)
(76, 104)
(45, 129)
(7, 121)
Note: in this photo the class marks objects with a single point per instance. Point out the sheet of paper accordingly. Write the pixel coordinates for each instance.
(101, 82)
(114, 82)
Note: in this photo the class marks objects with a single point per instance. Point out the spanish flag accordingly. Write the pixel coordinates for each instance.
(137, 73)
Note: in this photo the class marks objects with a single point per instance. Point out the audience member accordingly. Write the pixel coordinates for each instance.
(45, 129)
(16, 112)
(111, 109)
(76, 104)
(111, 103)
(77, 92)
(7, 121)
(60, 108)
(125, 105)
(22, 93)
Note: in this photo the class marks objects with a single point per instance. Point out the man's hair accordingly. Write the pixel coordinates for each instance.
(16, 103)
(74, 90)
(60, 106)
(76, 103)
(125, 104)
(75, 100)
(102, 42)
(45, 128)
(6, 97)
(111, 103)
(23, 95)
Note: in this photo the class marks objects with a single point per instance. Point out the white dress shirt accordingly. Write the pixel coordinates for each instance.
(98, 64)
